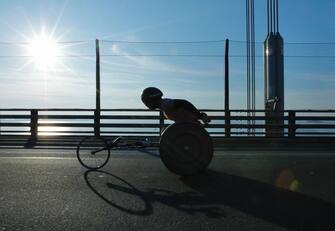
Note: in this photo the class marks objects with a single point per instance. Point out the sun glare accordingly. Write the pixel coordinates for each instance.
(44, 51)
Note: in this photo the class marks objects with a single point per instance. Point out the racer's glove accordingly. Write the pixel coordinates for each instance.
(204, 118)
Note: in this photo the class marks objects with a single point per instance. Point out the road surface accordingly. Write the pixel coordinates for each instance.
(47, 189)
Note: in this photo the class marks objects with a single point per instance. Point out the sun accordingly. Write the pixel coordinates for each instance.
(44, 52)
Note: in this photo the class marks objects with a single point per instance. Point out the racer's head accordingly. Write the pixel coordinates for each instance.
(151, 97)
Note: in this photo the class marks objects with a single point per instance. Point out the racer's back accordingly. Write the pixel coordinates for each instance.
(179, 110)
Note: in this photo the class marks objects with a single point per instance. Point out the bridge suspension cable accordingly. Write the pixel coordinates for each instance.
(251, 64)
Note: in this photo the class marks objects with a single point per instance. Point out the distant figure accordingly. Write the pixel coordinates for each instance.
(178, 110)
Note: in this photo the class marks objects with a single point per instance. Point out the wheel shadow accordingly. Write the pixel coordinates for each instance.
(189, 202)
(283, 207)
(212, 190)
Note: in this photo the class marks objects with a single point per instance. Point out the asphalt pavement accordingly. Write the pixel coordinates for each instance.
(47, 189)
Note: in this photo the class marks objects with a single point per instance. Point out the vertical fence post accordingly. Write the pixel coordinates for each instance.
(291, 123)
(97, 122)
(227, 123)
(33, 123)
(161, 122)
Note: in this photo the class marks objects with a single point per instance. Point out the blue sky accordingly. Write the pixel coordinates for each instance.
(309, 82)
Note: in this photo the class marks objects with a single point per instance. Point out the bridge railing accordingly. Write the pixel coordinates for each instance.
(141, 122)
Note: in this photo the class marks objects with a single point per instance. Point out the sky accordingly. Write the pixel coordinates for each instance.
(32, 78)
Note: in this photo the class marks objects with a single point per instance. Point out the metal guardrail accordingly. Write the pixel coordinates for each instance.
(142, 122)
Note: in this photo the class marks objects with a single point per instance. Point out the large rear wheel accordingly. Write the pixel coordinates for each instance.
(186, 148)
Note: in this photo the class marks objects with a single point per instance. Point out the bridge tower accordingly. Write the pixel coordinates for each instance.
(274, 72)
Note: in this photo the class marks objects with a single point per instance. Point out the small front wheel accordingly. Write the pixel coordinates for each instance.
(93, 152)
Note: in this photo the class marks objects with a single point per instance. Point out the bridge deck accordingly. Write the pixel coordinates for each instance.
(255, 189)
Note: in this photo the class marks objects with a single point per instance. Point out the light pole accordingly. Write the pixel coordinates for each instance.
(97, 91)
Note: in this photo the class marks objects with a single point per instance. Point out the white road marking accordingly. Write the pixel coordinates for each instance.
(240, 155)
(37, 157)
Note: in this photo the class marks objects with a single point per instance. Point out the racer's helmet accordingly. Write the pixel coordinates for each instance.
(151, 97)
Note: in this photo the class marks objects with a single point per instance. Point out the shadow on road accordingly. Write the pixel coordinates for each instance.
(285, 208)
(121, 196)
(212, 191)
